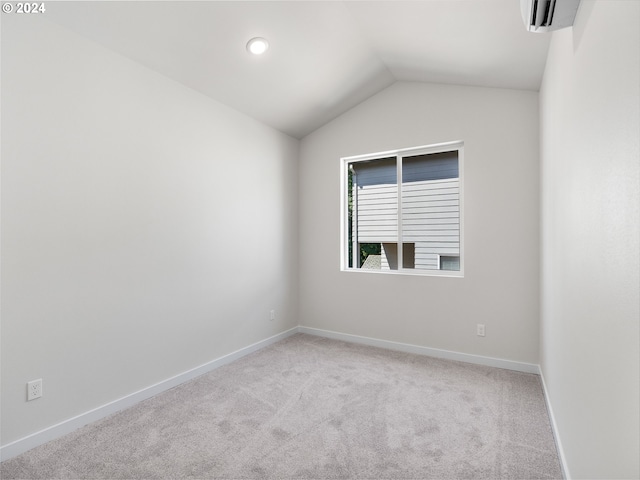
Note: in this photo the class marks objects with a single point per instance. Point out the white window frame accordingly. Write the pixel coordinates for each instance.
(344, 217)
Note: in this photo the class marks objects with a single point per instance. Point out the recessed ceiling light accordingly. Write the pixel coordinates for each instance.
(257, 46)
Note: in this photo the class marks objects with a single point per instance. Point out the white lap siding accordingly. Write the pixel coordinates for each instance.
(375, 196)
(431, 220)
(378, 214)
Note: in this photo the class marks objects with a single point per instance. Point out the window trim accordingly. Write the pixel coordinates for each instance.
(403, 152)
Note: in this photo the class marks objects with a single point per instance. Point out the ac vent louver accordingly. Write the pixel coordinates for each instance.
(548, 15)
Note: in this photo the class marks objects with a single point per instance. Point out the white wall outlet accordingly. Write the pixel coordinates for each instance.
(272, 315)
(34, 389)
(480, 330)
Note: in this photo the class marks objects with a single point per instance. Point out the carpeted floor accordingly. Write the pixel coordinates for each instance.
(309, 407)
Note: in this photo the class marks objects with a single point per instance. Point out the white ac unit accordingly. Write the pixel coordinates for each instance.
(548, 15)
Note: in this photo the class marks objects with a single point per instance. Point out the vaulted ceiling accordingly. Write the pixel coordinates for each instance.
(325, 56)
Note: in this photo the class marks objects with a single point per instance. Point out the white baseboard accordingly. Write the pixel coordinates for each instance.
(554, 428)
(67, 426)
(431, 352)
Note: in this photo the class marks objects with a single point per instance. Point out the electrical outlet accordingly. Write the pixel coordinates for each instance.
(480, 330)
(272, 315)
(34, 389)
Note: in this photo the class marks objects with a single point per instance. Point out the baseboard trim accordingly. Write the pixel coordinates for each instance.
(48, 434)
(431, 352)
(22, 445)
(554, 428)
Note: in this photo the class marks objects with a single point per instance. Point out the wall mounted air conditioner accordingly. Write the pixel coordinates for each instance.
(548, 15)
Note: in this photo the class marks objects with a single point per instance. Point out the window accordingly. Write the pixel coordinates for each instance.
(402, 211)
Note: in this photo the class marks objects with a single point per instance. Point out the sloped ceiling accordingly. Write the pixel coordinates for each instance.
(325, 56)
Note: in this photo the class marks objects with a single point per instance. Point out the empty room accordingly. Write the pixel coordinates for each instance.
(320, 239)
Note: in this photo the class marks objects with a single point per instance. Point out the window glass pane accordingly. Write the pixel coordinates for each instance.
(373, 214)
(431, 208)
(450, 263)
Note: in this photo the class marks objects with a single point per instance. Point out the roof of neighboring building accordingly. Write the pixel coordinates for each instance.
(373, 262)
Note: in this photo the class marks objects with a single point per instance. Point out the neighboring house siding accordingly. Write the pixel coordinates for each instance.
(377, 214)
(430, 206)
(431, 220)
(376, 197)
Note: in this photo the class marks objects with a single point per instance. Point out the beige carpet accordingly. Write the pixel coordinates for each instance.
(308, 407)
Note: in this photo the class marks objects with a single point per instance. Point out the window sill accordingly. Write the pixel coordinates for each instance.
(407, 272)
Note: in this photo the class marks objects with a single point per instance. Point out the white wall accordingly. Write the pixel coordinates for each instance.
(146, 229)
(501, 204)
(590, 108)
